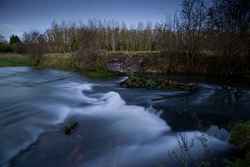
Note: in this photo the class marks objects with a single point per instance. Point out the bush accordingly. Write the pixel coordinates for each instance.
(5, 48)
(240, 137)
(36, 53)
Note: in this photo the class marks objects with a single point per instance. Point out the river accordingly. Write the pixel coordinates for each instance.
(118, 127)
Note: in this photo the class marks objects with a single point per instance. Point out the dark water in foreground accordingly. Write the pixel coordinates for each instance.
(117, 127)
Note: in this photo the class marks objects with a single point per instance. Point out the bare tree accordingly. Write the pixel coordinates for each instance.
(194, 17)
(36, 46)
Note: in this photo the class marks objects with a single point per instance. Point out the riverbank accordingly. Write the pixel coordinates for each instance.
(152, 64)
(14, 60)
(53, 61)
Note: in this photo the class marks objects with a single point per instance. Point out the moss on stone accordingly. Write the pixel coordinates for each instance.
(134, 81)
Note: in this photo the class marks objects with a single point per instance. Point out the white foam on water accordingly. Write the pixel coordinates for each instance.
(219, 133)
(122, 79)
(167, 150)
(57, 112)
(76, 86)
(77, 91)
(112, 105)
(203, 96)
(25, 131)
(152, 137)
(206, 92)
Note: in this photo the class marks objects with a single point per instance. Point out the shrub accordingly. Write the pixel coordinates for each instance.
(5, 48)
(240, 137)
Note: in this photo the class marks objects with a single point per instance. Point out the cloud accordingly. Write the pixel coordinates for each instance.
(7, 30)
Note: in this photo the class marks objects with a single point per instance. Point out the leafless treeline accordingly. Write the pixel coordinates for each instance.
(202, 28)
(108, 35)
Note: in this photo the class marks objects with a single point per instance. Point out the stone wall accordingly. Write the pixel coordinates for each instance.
(174, 63)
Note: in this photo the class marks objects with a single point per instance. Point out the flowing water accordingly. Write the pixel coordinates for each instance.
(118, 127)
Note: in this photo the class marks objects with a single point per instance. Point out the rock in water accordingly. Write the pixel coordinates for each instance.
(68, 129)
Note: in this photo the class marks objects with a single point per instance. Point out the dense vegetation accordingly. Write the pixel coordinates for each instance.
(203, 36)
(156, 83)
(240, 137)
(12, 59)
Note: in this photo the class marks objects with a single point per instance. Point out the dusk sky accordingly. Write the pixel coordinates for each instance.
(18, 16)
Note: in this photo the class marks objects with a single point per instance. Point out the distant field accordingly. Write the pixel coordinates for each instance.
(12, 60)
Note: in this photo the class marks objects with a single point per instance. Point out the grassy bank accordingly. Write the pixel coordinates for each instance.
(54, 61)
(146, 62)
(63, 61)
(14, 60)
(100, 74)
(66, 62)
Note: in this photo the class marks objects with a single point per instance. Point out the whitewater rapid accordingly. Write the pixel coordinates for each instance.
(136, 135)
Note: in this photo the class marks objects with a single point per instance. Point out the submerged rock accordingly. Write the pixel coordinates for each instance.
(68, 129)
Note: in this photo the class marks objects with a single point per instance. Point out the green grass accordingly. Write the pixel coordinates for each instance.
(58, 61)
(64, 61)
(14, 61)
(99, 74)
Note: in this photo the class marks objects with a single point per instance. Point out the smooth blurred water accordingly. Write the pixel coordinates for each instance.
(117, 126)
